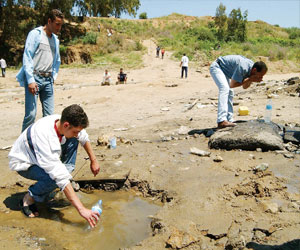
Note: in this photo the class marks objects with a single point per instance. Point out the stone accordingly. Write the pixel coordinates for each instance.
(248, 135)
(179, 239)
(270, 207)
(199, 152)
(289, 156)
(261, 167)
(293, 80)
(183, 130)
(171, 85)
(218, 159)
(292, 135)
(165, 109)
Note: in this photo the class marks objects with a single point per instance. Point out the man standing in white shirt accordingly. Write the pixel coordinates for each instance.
(184, 64)
(3, 66)
(46, 151)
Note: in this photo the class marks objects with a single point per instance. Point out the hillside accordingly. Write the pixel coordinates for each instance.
(179, 34)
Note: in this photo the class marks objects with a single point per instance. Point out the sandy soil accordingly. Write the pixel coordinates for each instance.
(210, 205)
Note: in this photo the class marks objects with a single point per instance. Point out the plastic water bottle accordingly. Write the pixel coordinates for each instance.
(268, 114)
(112, 142)
(98, 207)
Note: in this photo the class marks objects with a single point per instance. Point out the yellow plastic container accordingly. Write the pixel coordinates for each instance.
(243, 110)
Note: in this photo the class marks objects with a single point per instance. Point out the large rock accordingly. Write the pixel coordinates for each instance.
(248, 135)
(292, 135)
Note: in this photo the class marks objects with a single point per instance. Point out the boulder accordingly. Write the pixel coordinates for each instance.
(248, 135)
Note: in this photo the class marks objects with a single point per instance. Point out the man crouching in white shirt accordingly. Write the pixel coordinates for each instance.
(46, 151)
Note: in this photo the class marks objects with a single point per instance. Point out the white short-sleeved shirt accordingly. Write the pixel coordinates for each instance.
(185, 61)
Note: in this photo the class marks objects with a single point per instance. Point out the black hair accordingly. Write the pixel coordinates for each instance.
(53, 14)
(260, 66)
(75, 115)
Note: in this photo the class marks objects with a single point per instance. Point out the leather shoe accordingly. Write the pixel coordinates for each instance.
(226, 124)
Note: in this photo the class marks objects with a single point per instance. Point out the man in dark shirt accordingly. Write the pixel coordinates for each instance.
(122, 77)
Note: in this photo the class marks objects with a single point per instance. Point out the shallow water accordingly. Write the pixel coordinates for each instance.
(124, 222)
(291, 173)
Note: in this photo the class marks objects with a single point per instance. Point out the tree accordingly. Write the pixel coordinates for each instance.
(143, 15)
(221, 21)
(107, 7)
(236, 26)
(232, 28)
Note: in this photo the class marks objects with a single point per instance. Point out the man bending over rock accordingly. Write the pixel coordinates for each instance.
(230, 72)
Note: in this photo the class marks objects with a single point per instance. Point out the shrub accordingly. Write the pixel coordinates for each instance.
(138, 46)
(63, 50)
(90, 38)
(143, 15)
(294, 33)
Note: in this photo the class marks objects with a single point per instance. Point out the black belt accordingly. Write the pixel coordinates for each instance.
(43, 74)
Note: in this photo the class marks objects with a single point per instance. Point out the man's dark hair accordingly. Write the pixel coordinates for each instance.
(53, 14)
(75, 115)
(260, 66)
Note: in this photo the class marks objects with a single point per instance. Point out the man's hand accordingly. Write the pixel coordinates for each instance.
(95, 168)
(91, 216)
(94, 163)
(33, 88)
(256, 78)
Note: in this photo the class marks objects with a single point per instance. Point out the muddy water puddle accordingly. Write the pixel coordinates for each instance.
(125, 221)
(291, 173)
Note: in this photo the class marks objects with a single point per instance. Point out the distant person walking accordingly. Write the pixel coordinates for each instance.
(242, 72)
(157, 51)
(184, 64)
(3, 66)
(41, 61)
(99, 27)
(162, 53)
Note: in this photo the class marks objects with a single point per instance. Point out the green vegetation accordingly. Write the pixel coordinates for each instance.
(200, 38)
(143, 15)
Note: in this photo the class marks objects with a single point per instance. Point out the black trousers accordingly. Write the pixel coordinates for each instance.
(184, 69)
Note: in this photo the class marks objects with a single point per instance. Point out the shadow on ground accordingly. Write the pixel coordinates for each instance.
(291, 245)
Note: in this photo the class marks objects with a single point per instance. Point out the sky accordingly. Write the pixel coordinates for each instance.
(284, 13)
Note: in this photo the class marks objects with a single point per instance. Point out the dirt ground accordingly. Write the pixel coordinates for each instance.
(207, 204)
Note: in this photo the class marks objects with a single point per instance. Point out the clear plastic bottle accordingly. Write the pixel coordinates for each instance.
(98, 207)
(268, 114)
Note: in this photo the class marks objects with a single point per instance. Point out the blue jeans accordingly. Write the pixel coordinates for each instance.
(45, 185)
(46, 93)
(226, 94)
(3, 72)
